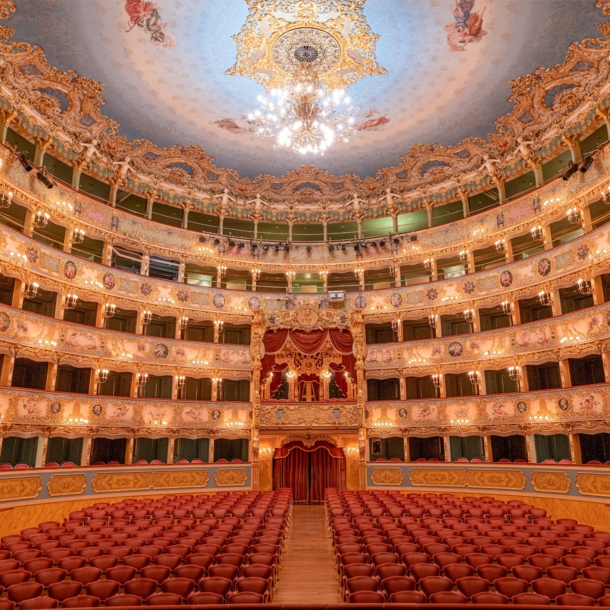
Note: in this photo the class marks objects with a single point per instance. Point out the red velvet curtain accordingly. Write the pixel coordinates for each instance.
(308, 471)
(316, 385)
(308, 342)
(293, 472)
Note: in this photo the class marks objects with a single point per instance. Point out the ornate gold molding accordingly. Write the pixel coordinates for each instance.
(481, 479)
(165, 479)
(593, 484)
(66, 484)
(121, 481)
(19, 488)
(557, 482)
(231, 478)
(387, 476)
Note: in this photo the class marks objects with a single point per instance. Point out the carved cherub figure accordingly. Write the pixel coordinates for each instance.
(90, 149)
(525, 148)
(258, 204)
(125, 167)
(224, 199)
(490, 165)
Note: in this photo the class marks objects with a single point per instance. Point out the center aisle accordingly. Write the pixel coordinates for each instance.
(308, 571)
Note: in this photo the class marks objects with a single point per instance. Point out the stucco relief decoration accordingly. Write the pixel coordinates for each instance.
(230, 478)
(177, 480)
(66, 484)
(593, 484)
(481, 479)
(128, 481)
(387, 476)
(19, 488)
(552, 482)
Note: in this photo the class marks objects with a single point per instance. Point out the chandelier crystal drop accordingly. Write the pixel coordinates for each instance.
(305, 115)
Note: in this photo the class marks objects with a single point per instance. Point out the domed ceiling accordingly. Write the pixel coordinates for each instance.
(164, 66)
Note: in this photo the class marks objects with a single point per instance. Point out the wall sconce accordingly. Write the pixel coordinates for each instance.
(585, 287)
(396, 325)
(433, 320)
(31, 290)
(573, 216)
(71, 300)
(326, 375)
(199, 362)
(460, 421)
(451, 298)
(78, 421)
(166, 301)
(359, 273)
(6, 198)
(501, 246)
(184, 321)
(514, 372)
(16, 257)
(474, 379)
(46, 344)
(469, 315)
(437, 380)
(222, 271)
(102, 376)
(605, 196)
(256, 274)
(217, 383)
(323, 275)
(218, 325)
(64, 207)
(291, 375)
(180, 381)
(290, 275)
(464, 256)
(507, 307)
(383, 423)
(78, 236)
(41, 220)
(109, 310)
(428, 264)
(545, 298)
(141, 380)
(146, 317)
(536, 233)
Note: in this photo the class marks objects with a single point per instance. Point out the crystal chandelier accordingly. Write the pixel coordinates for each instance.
(305, 115)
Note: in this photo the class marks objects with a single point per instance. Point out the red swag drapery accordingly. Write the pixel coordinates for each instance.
(308, 471)
(309, 343)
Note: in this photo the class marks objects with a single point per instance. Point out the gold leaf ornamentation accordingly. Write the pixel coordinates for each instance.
(387, 476)
(231, 478)
(593, 484)
(128, 481)
(66, 484)
(165, 479)
(482, 479)
(19, 488)
(557, 482)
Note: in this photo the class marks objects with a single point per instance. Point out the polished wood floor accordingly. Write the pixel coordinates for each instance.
(308, 572)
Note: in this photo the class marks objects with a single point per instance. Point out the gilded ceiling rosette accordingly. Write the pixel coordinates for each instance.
(331, 35)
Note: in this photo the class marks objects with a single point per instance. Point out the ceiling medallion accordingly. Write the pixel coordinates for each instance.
(306, 55)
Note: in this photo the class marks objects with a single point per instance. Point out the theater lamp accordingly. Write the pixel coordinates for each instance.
(31, 290)
(428, 264)
(78, 236)
(545, 298)
(6, 198)
(514, 373)
(474, 378)
(507, 307)
(102, 376)
(41, 220)
(437, 379)
(573, 216)
(464, 256)
(585, 287)
(396, 325)
(433, 320)
(146, 317)
(108, 310)
(141, 380)
(184, 320)
(536, 233)
(469, 315)
(180, 381)
(71, 301)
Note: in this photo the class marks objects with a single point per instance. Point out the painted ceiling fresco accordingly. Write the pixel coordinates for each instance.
(163, 64)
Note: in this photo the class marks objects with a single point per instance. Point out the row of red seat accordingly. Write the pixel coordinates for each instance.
(478, 550)
(149, 551)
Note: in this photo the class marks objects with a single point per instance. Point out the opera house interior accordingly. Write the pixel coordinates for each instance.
(329, 310)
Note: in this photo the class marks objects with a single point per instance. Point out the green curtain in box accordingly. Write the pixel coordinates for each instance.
(191, 449)
(150, 449)
(62, 450)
